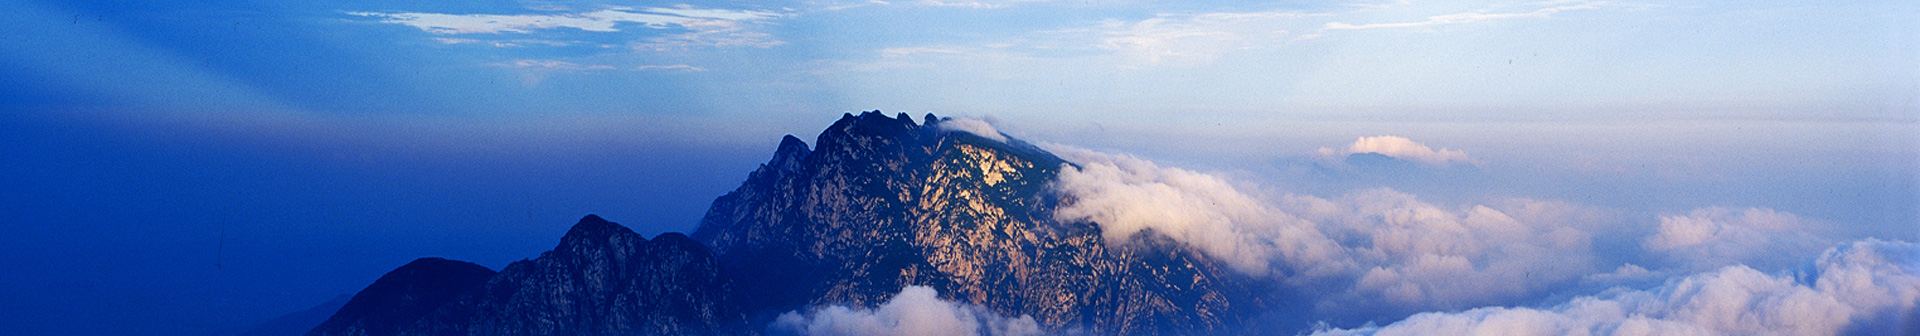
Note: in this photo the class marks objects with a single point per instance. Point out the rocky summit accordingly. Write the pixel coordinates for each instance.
(879, 204)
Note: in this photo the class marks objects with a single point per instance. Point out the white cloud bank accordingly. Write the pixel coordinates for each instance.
(1368, 250)
(1419, 255)
(1713, 237)
(1380, 252)
(917, 310)
(1399, 148)
(1865, 287)
(1126, 195)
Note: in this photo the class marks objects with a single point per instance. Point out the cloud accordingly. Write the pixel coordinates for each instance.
(701, 26)
(1470, 17)
(1126, 195)
(669, 67)
(1370, 250)
(976, 4)
(1381, 253)
(1399, 148)
(539, 64)
(1417, 255)
(1712, 237)
(1865, 287)
(916, 310)
(973, 126)
(1192, 39)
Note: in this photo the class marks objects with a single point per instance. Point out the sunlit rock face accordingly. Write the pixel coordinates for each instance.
(883, 203)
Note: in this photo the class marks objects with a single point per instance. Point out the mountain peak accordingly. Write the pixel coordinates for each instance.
(591, 230)
(788, 156)
(406, 294)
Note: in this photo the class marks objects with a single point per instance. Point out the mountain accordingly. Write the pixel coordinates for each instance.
(879, 204)
(884, 203)
(602, 279)
(298, 323)
(403, 296)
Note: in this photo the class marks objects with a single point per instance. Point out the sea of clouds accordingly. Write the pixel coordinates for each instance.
(1385, 262)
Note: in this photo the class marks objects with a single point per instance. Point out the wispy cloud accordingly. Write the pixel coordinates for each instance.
(697, 26)
(976, 4)
(1470, 17)
(1198, 38)
(558, 65)
(507, 43)
(669, 67)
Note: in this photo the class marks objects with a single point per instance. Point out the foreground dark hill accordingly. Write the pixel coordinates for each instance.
(602, 279)
(882, 203)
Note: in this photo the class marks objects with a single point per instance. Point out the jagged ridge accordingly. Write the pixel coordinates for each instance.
(884, 203)
(880, 204)
(602, 279)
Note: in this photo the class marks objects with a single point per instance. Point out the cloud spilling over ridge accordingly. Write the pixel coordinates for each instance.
(1865, 287)
(917, 310)
(1713, 237)
(975, 126)
(1126, 195)
(1400, 148)
(1368, 250)
(1375, 253)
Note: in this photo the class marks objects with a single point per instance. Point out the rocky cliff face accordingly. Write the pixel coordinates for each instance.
(602, 279)
(880, 204)
(884, 203)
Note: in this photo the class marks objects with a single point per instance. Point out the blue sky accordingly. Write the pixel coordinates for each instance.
(245, 159)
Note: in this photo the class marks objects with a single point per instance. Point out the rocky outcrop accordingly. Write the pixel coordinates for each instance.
(883, 203)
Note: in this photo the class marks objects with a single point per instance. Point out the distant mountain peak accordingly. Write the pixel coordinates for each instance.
(602, 279)
(593, 231)
(406, 294)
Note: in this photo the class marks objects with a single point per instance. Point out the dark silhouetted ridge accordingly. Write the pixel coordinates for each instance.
(406, 294)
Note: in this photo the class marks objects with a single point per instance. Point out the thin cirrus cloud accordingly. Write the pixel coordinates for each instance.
(1469, 17)
(669, 68)
(554, 65)
(697, 26)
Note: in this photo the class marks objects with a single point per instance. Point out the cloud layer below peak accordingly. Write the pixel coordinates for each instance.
(1863, 287)
(916, 310)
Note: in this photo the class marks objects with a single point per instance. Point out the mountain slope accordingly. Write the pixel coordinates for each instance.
(884, 203)
(395, 301)
(602, 279)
